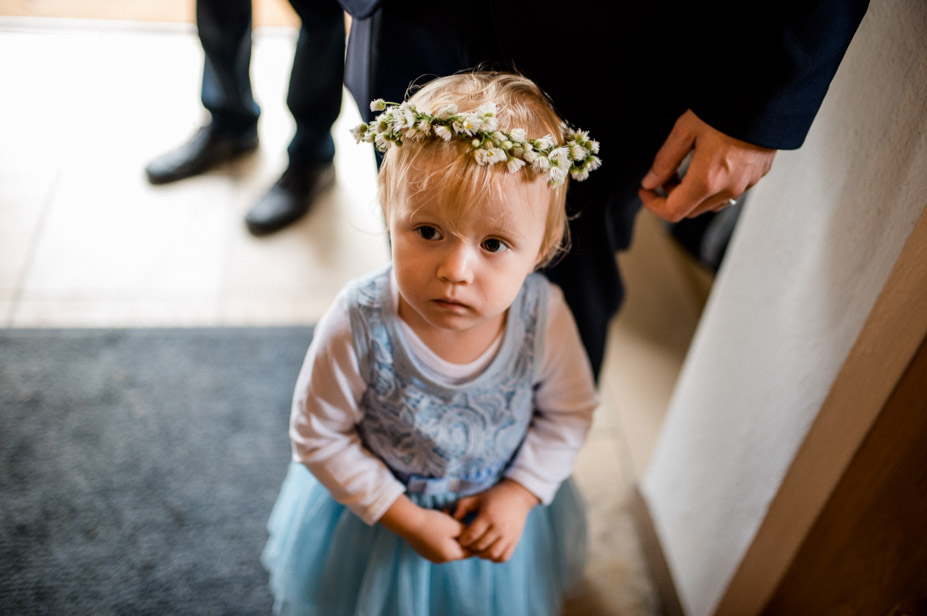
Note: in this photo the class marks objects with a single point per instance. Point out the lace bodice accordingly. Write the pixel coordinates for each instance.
(423, 428)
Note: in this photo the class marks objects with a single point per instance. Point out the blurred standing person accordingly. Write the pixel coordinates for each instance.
(314, 99)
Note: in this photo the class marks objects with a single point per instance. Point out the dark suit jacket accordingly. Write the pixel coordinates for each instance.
(624, 72)
(758, 74)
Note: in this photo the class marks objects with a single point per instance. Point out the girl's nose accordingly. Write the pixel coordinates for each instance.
(456, 265)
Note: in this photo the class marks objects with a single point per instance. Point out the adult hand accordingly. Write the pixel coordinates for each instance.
(722, 168)
(501, 512)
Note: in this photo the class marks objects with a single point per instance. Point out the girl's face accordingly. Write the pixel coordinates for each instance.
(459, 269)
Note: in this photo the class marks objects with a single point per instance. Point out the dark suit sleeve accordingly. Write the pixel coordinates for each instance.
(762, 73)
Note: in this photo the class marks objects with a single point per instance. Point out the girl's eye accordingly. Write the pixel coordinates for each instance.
(428, 232)
(494, 245)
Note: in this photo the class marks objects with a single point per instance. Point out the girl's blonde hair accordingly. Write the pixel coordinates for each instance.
(421, 165)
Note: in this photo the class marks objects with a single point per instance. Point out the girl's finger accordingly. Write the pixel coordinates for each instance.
(465, 506)
(486, 542)
(473, 533)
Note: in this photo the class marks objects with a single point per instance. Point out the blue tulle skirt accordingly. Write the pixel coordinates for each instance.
(323, 559)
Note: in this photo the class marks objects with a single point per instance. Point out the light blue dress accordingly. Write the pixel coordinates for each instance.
(443, 442)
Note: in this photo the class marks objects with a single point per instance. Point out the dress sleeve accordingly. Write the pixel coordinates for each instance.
(323, 421)
(564, 401)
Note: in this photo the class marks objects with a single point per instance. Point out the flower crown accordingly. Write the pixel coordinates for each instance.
(402, 121)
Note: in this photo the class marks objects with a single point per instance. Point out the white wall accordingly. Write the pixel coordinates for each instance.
(815, 244)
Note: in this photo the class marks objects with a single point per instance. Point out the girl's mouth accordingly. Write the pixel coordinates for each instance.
(450, 304)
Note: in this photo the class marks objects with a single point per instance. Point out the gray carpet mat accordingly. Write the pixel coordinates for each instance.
(138, 467)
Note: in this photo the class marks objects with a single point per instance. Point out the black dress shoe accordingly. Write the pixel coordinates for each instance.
(205, 150)
(290, 198)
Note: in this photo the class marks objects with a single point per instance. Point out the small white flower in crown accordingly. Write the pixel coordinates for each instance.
(400, 122)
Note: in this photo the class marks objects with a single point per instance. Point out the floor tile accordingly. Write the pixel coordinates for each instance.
(115, 311)
(31, 122)
(6, 312)
(116, 236)
(22, 205)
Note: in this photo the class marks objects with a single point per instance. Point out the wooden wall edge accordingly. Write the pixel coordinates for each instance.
(888, 340)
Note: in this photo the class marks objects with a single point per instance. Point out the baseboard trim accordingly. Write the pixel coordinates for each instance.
(653, 553)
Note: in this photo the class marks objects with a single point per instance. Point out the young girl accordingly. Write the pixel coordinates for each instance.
(443, 400)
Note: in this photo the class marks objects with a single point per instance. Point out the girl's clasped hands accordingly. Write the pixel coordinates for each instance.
(501, 512)
(487, 525)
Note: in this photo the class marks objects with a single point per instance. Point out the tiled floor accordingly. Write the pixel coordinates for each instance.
(85, 241)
